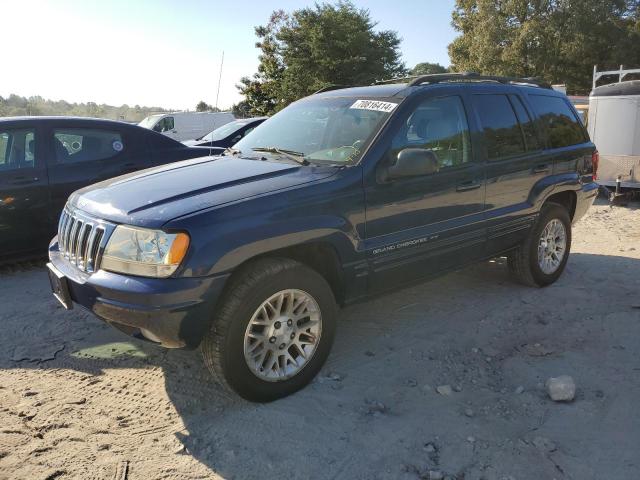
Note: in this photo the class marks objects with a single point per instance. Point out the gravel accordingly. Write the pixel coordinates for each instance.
(158, 413)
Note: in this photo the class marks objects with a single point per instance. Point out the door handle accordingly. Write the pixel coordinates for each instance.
(23, 180)
(542, 168)
(466, 186)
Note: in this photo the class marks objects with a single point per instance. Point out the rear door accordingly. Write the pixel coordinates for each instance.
(24, 195)
(567, 142)
(417, 226)
(83, 155)
(512, 149)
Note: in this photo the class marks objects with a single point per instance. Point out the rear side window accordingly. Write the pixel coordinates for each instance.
(560, 123)
(17, 149)
(74, 145)
(502, 133)
(526, 122)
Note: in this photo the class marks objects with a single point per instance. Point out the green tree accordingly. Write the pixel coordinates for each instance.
(427, 68)
(557, 40)
(314, 47)
(241, 110)
(203, 107)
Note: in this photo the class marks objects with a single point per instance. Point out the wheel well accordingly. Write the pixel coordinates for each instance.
(567, 199)
(320, 257)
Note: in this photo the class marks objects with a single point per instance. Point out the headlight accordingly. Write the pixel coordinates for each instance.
(144, 252)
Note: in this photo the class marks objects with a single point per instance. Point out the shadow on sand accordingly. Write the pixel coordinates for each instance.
(377, 410)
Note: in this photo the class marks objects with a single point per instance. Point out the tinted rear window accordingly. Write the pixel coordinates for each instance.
(502, 133)
(560, 123)
(528, 130)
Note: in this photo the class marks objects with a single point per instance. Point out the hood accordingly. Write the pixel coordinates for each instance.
(153, 197)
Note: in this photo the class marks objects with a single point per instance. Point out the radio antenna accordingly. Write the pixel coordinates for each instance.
(217, 95)
(219, 79)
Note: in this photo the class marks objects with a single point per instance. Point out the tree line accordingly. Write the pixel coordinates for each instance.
(15, 105)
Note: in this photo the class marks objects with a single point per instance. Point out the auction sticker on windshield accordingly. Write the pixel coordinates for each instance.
(374, 105)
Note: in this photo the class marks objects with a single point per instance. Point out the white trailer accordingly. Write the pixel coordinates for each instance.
(186, 125)
(614, 127)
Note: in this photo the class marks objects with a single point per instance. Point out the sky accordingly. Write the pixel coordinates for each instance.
(167, 53)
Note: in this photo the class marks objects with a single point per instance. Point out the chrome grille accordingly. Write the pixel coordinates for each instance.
(81, 239)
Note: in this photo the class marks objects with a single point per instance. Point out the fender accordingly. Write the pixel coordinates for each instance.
(551, 185)
(226, 237)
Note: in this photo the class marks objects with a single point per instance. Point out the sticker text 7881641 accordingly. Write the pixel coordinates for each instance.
(376, 105)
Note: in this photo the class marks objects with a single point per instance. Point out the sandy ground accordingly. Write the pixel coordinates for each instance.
(80, 400)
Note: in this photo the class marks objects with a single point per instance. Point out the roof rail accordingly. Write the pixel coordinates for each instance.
(328, 88)
(395, 80)
(476, 77)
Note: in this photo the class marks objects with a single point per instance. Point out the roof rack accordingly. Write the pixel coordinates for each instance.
(328, 88)
(621, 73)
(476, 77)
(396, 80)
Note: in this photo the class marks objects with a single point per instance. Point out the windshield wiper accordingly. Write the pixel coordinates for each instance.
(297, 157)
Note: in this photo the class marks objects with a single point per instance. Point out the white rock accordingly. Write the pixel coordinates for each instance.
(561, 389)
(445, 390)
(430, 448)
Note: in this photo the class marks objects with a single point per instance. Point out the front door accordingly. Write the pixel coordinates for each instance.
(167, 126)
(24, 195)
(419, 225)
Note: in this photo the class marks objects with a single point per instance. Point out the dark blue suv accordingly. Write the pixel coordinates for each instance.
(340, 196)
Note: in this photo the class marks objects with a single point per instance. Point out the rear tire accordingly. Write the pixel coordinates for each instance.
(273, 331)
(536, 262)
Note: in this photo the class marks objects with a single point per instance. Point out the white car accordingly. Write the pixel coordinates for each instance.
(186, 125)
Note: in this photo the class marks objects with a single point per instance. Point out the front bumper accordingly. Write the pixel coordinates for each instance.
(175, 312)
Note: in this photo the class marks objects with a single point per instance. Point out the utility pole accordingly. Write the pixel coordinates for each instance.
(219, 79)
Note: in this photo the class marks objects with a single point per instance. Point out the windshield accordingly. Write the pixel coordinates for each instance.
(223, 131)
(149, 121)
(334, 130)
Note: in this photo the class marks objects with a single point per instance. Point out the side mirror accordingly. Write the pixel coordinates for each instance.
(413, 162)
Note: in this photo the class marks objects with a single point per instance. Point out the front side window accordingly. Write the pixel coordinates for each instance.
(164, 125)
(73, 145)
(321, 129)
(17, 149)
(439, 125)
(500, 127)
(562, 126)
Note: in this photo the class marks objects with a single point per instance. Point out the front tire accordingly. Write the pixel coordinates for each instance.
(273, 331)
(541, 258)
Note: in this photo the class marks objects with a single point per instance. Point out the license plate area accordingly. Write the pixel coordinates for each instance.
(59, 286)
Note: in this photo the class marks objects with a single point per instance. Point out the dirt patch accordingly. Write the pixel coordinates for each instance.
(443, 380)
